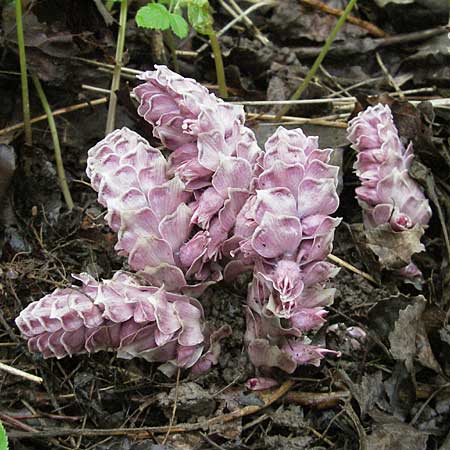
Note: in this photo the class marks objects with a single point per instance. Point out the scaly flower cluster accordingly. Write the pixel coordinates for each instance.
(212, 152)
(120, 315)
(147, 208)
(217, 198)
(388, 194)
(286, 229)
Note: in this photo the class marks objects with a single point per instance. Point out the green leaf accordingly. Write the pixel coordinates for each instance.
(3, 438)
(199, 16)
(178, 25)
(154, 16)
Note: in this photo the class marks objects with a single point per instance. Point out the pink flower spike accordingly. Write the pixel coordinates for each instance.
(390, 198)
(120, 315)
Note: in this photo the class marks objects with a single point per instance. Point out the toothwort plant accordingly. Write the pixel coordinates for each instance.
(217, 206)
(390, 198)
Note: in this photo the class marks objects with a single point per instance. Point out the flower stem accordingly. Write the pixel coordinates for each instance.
(223, 91)
(115, 83)
(58, 158)
(319, 59)
(23, 73)
(173, 51)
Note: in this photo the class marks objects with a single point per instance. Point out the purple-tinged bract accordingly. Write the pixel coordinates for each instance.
(213, 153)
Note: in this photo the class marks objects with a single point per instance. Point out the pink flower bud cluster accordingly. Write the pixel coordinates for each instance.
(120, 315)
(388, 194)
(216, 199)
(148, 208)
(285, 228)
(213, 153)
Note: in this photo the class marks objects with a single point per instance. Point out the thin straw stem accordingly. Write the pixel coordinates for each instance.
(58, 158)
(115, 83)
(23, 73)
(218, 61)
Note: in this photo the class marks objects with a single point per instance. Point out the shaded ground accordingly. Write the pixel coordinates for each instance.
(390, 392)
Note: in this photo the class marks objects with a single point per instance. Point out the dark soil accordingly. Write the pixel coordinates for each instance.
(390, 391)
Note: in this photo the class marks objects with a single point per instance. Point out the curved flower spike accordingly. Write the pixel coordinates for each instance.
(147, 208)
(214, 154)
(120, 315)
(394, 206)
(285, 227)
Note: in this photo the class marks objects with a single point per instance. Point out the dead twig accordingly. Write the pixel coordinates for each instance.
(20, 373)
(375, 44)
(234, 9)
(318, 400)
(16, 423)
(268, 398)
(358, 426)
(369, 27)
(352, 268)
(237, 19)
(391, 79)
(299, 120)
(174, 410)
(57, 112)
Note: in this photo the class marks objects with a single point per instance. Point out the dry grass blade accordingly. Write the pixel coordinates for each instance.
(20, 373)
(57, 112)
(352, 268)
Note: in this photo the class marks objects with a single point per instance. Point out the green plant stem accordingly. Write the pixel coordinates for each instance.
(173, 51)
(319, 59)
(23, 73)
(115, 83)
(109, 4)
(58, 158)
(220, 72)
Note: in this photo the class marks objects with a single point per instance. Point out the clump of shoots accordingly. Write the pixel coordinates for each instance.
(217, 206)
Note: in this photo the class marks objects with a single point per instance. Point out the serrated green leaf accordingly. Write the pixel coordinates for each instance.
(154, 16)
(199, 16)
(3, 438)
(178, 25)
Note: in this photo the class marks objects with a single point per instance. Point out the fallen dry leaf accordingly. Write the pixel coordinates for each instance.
(394, 249)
